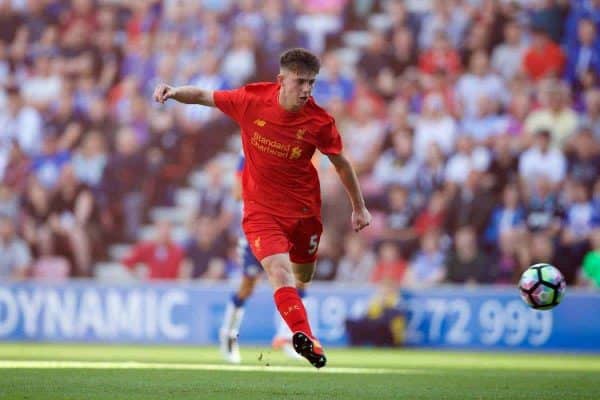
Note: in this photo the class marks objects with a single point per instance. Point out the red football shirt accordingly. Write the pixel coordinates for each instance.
(278, 177)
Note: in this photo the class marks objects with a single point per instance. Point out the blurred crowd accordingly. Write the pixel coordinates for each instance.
(474, 127)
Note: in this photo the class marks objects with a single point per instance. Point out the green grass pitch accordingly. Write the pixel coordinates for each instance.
(50, 371)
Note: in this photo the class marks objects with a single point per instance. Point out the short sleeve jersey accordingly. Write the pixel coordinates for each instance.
(279, 177)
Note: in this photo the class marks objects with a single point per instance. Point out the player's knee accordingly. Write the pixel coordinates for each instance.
(280, 272)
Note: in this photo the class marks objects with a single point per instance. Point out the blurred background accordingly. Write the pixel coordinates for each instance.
(473, 125)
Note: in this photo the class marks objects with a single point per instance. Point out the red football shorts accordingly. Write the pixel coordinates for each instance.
(269, 234)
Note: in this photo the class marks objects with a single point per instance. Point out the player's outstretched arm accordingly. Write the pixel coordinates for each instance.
(361, 217)
(183, 94)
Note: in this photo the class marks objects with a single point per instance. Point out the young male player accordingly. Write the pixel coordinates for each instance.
(281, 128)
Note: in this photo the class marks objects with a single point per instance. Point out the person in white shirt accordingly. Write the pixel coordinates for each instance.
(541, 160)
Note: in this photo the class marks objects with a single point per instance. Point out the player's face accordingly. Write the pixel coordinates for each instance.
(296, 87)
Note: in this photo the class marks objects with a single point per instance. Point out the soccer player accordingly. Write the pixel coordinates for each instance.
(282, 126)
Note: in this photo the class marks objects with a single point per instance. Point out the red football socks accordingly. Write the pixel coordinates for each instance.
(292, 310)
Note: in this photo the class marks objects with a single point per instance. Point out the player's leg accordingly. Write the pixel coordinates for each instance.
(268, 238)
(283, 335)
(234, 312)
(303, 254)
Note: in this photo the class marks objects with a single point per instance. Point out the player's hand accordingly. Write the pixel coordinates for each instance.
(163, 92)
(361, 218)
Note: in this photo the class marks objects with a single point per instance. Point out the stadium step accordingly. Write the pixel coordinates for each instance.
(113, 272)
(118, 251)
(176, 215)
(179, 233)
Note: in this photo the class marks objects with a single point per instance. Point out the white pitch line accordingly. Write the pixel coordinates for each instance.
(21, 364)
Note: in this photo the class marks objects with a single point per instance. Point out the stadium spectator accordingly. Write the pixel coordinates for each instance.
(584, 55)
(357, 263)
(507, 58)
(15, 257)
(508, 216)
(554, 115)
(591, 117)
(427, 267)
(20, 122)
(543, 58)
(467, 262)
(591, 261)
(161, 257)
(205, 251)
(333, 81)
(390, 264)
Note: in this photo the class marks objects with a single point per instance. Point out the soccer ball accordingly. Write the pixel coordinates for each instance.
(542, 286)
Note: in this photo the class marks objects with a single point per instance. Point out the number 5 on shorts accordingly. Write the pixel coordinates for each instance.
(313, 244)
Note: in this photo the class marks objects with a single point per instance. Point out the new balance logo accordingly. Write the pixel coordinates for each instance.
(257, 243)
(260, 122)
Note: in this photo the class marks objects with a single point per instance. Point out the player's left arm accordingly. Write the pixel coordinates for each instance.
(361, 217)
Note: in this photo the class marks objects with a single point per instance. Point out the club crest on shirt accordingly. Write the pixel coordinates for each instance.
(260, 122)
(257, 243)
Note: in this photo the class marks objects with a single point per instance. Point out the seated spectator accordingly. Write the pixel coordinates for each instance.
(509, 215)
(357, 263)
(9, 202)
(555, 115)
(205, 252)
(504, 164)
(542, 161)
(583, 163)
(543, 58)
(75, 223)
(508, 258)
(123, 183)
(591, 261)
(487, 123)
(161, 257)
(427, 267)
(332, 81)
(431, 175)
(470, 204)
(390, 264)
(584, 54)
(397, 165)
(433, 215)
(90, 159)
(591, 118)
(47, 165)
(507, 58)
(578, 223)
(440, 56)
(467, 263)
(468, 157)
(434, 125)
(15, 256)
(20, 122)
(543, 211)
(479, 82)
(398, 219)
(17, 169)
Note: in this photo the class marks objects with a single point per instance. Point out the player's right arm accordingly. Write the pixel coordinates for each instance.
(184, 94)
